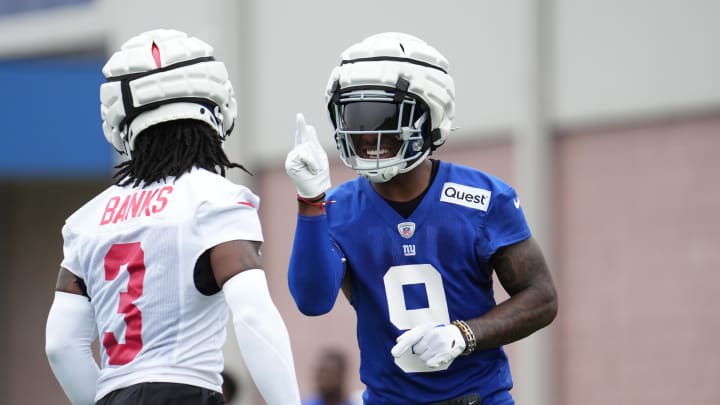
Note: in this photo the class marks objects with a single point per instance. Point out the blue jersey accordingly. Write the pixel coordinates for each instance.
(430, 267)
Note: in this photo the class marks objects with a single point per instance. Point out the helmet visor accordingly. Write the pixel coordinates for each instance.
(370, 116)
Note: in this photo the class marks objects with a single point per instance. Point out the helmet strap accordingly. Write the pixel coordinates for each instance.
(335, 92)
(435, 135)
(402, 86)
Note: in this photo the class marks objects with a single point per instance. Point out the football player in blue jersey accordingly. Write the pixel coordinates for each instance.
(413, 241)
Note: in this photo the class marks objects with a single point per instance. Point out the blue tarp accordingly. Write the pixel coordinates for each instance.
(50, 122)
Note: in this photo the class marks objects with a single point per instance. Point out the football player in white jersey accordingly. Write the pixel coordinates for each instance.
(413, 242)
(153, 263)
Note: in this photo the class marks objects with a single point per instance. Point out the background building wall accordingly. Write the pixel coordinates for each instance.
(626, 91)
(637, 234)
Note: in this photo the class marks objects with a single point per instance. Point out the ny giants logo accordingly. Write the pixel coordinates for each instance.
(408, 250)
(139, 203)
(471, 197)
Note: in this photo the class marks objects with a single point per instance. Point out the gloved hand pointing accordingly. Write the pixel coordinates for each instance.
(307, 163)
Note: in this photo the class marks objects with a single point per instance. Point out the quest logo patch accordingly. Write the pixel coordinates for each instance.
(471, 197)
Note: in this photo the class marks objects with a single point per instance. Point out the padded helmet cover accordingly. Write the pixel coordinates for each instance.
(382, 59)
(163, 75)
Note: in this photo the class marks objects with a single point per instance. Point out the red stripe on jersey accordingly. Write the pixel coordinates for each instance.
(249, 204)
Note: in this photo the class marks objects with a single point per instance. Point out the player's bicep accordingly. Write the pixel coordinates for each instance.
(230, 258)
(70, 283)
(520, 266)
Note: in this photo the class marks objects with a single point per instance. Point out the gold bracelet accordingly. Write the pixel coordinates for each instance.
(468, 335)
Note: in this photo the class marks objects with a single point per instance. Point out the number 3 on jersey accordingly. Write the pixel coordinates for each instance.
(132, 256)
(401, 281)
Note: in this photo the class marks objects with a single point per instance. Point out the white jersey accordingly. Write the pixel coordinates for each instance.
(136, 250)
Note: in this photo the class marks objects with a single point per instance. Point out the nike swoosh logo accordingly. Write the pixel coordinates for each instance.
(516, 201)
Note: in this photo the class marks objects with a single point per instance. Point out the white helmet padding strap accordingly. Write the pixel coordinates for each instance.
(170, 112)
(136, 99)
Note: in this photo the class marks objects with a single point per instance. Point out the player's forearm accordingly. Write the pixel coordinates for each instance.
(315, 272)
(522, 314)
(69, 333)
(262, 337)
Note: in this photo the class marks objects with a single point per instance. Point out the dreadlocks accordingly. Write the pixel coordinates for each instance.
(171, 149)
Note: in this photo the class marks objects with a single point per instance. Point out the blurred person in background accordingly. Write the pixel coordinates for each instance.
(413, 241)
(154, 262)
(330, 377)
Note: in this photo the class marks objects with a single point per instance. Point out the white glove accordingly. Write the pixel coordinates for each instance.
(307, 163)
(436, 345)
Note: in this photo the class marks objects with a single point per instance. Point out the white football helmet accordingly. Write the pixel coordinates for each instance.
(159, 76)
(390, 84)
